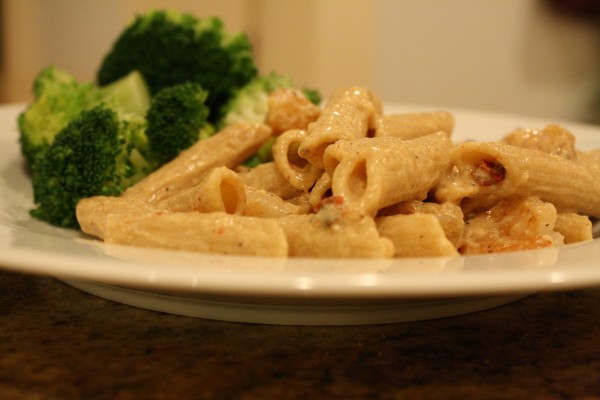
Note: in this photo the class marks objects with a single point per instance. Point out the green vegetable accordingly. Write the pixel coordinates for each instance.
(105, 149)
(176, 118)
(166, 83)
(313, 95)
(263, 154)
(250, 103)
(130, 92)
(100, 152)
(59, 98)
(170, 47)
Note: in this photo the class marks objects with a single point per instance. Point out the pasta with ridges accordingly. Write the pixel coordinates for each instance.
(348, 180)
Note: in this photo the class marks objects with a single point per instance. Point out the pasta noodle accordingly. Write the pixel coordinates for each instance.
(373, 173)
(262, 203)
(232, 146)
(319, 235)
(350, 114)
(504, 170)
(320, 191)
(449, 215)
(416, 235)
(93, 212)
(193, 231)
(413, 125)
(348, 180)
(220, 189)
(296, 170)
(268, 177)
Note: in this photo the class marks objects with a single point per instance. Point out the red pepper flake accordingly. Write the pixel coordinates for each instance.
(488, 173)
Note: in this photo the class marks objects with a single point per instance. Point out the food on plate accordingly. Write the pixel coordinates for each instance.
(105, 149)
(59, 99)
(183, 144)
(177, 118)
(168, 81)
(228, 148)
(250, 103)
(169, 47)
(97, 152)
(347, 183)
(253, 103)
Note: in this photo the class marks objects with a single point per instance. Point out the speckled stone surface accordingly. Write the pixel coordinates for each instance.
(59, 343)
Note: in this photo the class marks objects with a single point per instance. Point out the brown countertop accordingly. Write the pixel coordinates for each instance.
(59, 343)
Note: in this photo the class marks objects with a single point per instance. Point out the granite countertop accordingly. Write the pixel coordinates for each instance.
(59, 343)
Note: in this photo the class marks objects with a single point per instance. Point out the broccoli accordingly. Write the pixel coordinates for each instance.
(171, 47)
(313, 95)
(176, 117)
(106, 149)
(251, 102)
(169, 80)
(59, 98)
(100, 152)
(130, 92)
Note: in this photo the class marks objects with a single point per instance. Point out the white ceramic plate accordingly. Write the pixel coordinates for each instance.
(294, 291)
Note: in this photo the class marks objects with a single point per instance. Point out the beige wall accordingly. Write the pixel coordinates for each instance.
(322, 43)
(505, 55)
(517, 56)
(75, 34)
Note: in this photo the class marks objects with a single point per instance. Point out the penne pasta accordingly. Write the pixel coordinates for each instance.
(264, 204)
(413, 125)
(316, 235)
(228, 148)
(416, 235)
(320, 191)
(449, 215)
(193, 231)
(296, 170)
(349, 181)
(93, 212)
(374, 173)
(350, 114)
(504, 170)
(220, 190)
(268, 177)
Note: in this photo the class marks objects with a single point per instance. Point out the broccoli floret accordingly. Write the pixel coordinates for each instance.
(170, 47)
(100, 152)
(176, 118)
(263, 155)
(313, 95)
(251, 102)
(131, 93)
(59, 98)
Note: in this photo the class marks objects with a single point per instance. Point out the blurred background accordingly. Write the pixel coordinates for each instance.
(534, 57)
